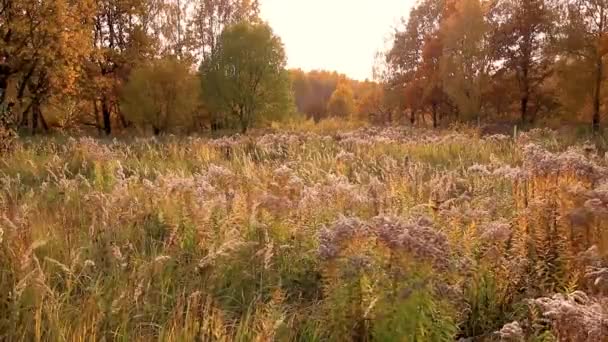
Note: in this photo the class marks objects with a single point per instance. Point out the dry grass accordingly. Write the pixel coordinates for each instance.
(384, 235)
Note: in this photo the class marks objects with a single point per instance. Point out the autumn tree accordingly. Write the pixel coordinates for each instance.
(524, 29)
(44, 43)
(584, 44)
(386, 101)
(245, 79)
(121, 42)
(430, 76)
(342, 101)
(373, 104)
(414, 60)
(313, 90)
(302, 90)
(466, 61)
(404, 60)
(163, 95)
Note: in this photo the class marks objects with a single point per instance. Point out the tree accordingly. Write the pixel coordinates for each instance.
(523, 41)
(585, 35)
(466, 59)
(385, 100)
(430, 77)
(43, 43)
(415, 58)
(302, 90)
(342, 101)
(403, 62)
(211, 17)
(373, 104)
(163, 95)
(121, 42)
(312, 90)
(245, 77)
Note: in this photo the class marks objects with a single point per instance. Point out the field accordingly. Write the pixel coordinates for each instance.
(364, 235)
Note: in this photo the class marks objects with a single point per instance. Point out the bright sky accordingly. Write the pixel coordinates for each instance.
(340, 35)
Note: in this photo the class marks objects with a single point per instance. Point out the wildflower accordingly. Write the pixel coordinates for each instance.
(447, 186)
(598, 277)
(544, 163)
(218, 175)
(497, 231)
(481, 169)
(418, 238)
(575, 317)
(162, 259)
(345, 157)
(589, 148)
(283, 173)
(579, 217)
(116, 253)
(139, 290)
(511, 332)
(360, 262)
(148, 184)
(331, 239)
(497, 138)
(89, 264)
(597, 206)
(536, 134)
(274, 204)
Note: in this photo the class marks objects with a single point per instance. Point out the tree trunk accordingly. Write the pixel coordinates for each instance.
(156, 130)
(596, 95)
(413, 117)
(5, 72)
(435, 123)
(598, 77)
(244, 117)
(37, 116)
(96, 113)
(34, 119)
(106, 113)
(123, 121)
(524, 81)
(24, 116)
(524, 108)
(45, 126)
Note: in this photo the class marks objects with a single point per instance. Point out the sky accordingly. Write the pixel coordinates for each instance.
(340, 35)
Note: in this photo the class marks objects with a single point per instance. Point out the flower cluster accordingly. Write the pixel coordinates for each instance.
(539, 161)
(576, 317)
(417, 238)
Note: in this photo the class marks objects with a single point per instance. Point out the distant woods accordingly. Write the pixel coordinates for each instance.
(525, 60)
(113, 65)
(182, 66)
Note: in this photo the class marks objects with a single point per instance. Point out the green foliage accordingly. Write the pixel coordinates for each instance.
(486, 306)
(244, 81)
(163, 95)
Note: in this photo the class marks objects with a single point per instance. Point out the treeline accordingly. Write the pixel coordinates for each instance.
(158, 65)
(191, 65)
(487, 60)
(322, 94)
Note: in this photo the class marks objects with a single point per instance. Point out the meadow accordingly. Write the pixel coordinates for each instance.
(369, 234)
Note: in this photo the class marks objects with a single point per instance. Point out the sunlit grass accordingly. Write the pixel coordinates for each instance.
(183, 238)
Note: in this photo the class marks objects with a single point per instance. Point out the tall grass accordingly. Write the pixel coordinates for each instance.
(365, 235)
